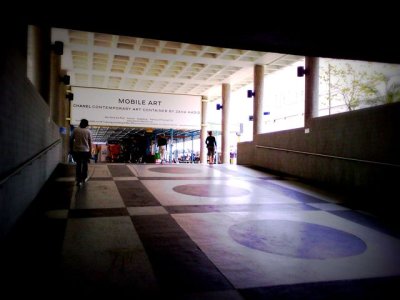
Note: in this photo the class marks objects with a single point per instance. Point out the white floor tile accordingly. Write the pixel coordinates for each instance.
(247, 267)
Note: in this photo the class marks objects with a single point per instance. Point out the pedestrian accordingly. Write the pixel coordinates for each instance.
(211, 147)
(162, 146)
(96, 151)
(81, 141)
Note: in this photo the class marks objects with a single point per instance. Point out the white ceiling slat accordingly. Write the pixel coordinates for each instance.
(140, 64)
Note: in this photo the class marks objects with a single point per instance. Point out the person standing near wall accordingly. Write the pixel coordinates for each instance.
(81, 141)
(211, 146)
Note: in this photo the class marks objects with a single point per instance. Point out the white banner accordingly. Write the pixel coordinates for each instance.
(135, 109)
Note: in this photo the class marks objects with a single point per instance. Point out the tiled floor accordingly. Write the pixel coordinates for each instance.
(198, 232)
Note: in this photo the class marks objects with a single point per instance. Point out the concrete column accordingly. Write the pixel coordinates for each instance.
(58, 102)
(258, 100)
(63, 114)
(55, 83)
(171, 144)
(38, 59)
(203, 132)
(311, 89)
(33, 63)
(226, 95)
(62, 101)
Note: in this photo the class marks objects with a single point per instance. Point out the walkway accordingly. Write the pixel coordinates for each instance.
(197, 232)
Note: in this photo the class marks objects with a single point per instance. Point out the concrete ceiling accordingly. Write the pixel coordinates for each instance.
(170, 50)
(111, 61)
(336, 30)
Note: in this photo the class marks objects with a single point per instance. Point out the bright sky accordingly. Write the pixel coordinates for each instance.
(283, 99)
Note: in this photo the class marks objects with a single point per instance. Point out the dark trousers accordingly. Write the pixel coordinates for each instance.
(82, 161)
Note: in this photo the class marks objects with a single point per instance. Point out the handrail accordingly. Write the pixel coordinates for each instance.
(28, 162)
(330, 156)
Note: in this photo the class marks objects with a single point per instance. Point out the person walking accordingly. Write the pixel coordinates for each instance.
(81, 140)
(211, 146)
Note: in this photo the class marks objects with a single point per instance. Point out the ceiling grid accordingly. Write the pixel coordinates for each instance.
(146, 65)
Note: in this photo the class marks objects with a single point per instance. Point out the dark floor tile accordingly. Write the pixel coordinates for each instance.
(64, 170)
(120, 171)
(134, 193)
(379, 288)
(51, 197)
(179, 265)
(98, 212)
(31, 257)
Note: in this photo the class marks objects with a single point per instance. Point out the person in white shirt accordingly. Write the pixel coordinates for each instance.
(162, 146)
(81, 140)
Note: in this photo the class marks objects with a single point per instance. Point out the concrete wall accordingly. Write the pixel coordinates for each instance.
(245, 152)
(25, 129)
(367, 134)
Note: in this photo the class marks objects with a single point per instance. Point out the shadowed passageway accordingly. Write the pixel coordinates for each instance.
(197, 232)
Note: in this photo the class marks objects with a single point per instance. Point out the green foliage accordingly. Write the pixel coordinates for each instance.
(393, 92)
(350, 86)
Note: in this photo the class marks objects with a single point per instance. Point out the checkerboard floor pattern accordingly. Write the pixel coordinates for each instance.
(198, 232)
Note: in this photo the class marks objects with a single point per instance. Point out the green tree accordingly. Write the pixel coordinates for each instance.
(392, 89)
(350, 86)
(393, 92)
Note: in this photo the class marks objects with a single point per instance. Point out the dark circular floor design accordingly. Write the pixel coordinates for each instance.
(297, 239)
(210, 190)
(174, 170)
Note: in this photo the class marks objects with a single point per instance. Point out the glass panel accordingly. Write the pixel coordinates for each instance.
(347, 85)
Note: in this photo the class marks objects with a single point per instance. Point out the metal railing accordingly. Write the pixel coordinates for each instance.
(329, 156)
(29, 161)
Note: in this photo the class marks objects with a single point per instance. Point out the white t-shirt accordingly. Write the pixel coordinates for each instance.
(82, 139)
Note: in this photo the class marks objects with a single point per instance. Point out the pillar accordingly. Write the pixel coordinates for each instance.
(311, 89)
(38, 59)
(203, 132)
(63, 114)
(226, 94)
(171, 144)
(258, 100)
(55, 83)
(57, 101)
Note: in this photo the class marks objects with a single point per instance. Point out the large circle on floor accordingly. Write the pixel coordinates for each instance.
(297, 239)
(174, 170)
(210, 190)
